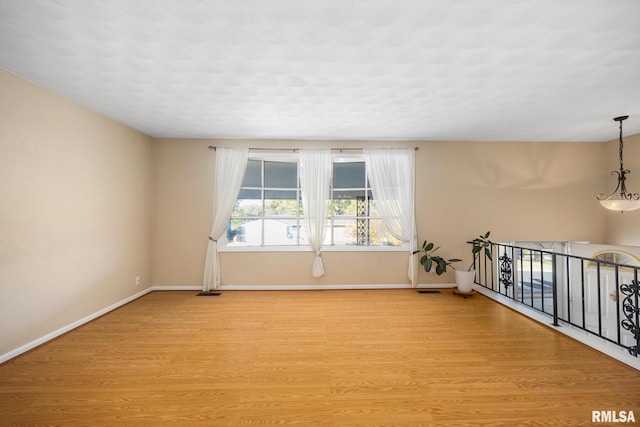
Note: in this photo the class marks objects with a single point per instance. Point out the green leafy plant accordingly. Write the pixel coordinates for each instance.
(480, 244)
(429, 260)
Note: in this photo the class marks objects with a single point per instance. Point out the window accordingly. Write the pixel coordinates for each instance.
(610, 258)
(268, 211)
(354, 220)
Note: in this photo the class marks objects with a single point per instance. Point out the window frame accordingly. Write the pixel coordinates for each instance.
(300, 247)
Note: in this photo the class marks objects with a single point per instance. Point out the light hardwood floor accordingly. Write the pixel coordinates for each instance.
(320, 358)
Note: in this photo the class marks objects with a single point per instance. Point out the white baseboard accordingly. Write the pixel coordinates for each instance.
(586, 338)
(303, 287)
(35, 343)
(327, 287)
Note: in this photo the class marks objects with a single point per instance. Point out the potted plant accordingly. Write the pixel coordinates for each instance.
(429, 260)
(465, 278)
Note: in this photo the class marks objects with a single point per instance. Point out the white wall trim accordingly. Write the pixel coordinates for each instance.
(35, 343)
(321, 287)
(586, 338)
(301, 287)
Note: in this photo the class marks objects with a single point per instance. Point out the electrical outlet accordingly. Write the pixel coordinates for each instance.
(137, 280)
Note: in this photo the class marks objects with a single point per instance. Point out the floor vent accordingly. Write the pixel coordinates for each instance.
(209, 294)
(429, 292)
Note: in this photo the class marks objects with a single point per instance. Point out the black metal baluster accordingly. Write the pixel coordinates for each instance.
(484, 269)
(631, 311)
(522, 275)
(617, 301)
(637, 309)
(542, 282)
(584, 320)
(554, 289)
(569, 293)
(492, 264)
(599, 299)
(513, 273)
(531, 275)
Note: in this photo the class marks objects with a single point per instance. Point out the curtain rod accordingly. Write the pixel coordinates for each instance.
(295, 150)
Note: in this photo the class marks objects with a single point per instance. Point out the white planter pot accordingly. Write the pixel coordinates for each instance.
(464, 280)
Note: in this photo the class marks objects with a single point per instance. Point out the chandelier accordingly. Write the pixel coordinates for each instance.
(626, 201)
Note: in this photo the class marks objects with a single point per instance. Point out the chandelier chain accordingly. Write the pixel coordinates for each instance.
(620, 148)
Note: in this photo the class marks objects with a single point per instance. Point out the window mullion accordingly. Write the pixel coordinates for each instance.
(331, 211)
(264, 207)
(367, 212)
(299, 202)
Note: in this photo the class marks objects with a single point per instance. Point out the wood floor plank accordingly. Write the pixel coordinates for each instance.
(318, 358)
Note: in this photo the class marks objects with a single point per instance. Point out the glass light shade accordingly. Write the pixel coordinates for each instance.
(621, 205)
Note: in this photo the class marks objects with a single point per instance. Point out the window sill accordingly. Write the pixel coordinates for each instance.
(233, 249)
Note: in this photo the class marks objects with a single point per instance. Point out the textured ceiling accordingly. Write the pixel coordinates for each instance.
(533, 70)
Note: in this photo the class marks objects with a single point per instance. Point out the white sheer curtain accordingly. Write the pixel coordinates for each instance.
(315, 181)
(391, 175)
(230, 167)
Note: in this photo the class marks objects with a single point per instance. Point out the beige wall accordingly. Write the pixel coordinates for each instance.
(183, 200)
(519, 191)
(623, 228)
(75, 212)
